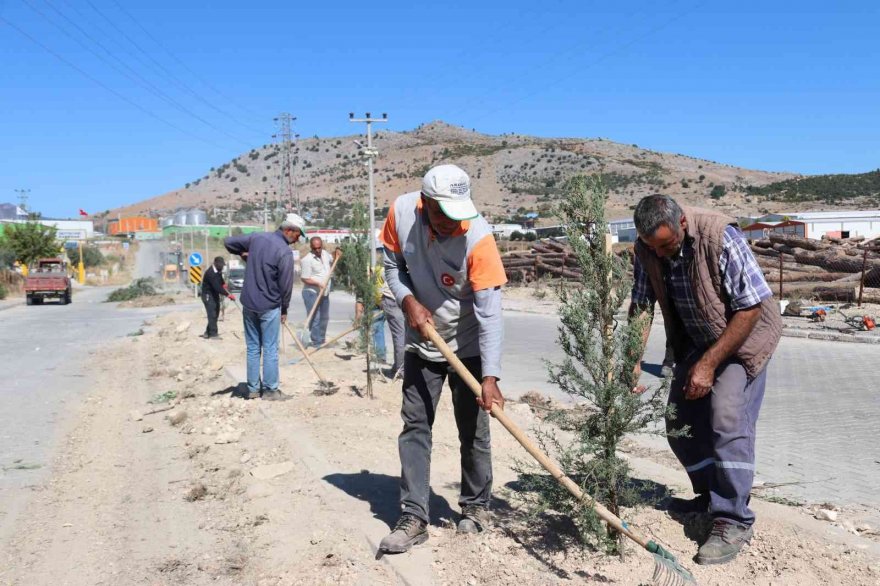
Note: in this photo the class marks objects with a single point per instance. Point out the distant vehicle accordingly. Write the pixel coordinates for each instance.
(170, 274)
(48, 281)
(235, 280)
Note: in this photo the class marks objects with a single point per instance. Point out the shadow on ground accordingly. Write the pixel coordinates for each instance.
(239, 391)
(653, 369)
(383, 494)
(547, 533)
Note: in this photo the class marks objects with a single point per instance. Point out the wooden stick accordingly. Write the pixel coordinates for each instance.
(306, 356)
(530, 447)
(321, 293)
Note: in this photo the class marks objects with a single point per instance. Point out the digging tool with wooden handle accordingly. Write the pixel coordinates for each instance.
(321, 293)
(665, 561)
(324, 382)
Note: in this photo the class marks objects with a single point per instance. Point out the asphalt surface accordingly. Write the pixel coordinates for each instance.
(47, 360)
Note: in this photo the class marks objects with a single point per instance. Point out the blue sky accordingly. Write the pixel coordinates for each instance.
(791, 86)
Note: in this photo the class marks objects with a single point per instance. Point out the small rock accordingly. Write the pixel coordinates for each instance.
(182, 327)
(863, 528)
(179, 378)
(229, 437)
(207, 431)
(216, 365)
(196, 493)
(234, 472)
(146, 429)
(176, 417)
(826, 515)
(245, 458)
(268, 471)
(136, 415)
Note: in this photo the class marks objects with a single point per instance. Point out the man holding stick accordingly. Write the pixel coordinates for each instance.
(444, 269)
(265, 297)
(316, 280)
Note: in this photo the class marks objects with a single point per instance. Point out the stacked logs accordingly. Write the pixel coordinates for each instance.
(548, 257)
(831, 269)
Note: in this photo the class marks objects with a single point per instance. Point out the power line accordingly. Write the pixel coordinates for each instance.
(157, 66)
(103, 85)
(181, 63)
(133, 75)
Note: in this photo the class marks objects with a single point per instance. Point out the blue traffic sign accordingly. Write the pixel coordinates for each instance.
(195, 259)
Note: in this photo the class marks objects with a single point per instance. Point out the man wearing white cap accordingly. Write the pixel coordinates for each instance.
(444, 269)
(265, 297)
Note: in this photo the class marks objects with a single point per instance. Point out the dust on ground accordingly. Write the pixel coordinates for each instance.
(209, 488)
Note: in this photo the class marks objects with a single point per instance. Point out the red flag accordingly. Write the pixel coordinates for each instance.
(82, 212)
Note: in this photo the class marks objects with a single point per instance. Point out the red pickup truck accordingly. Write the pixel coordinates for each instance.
(49, 280)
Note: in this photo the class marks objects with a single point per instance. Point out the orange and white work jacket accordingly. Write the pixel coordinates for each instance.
(458, 278)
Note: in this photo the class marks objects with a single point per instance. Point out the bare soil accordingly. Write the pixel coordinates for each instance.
(222, 490)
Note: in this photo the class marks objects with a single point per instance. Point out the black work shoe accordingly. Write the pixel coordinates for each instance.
(725, 541)
(409, 531)
(275, 396)
(252, 395)
(698, 504)
(474, 519)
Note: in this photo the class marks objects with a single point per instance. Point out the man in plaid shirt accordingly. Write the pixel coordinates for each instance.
(721, 319)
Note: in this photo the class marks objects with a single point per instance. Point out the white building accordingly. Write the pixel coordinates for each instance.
(840, 224)
(505, 230)
(622, 230)
(68, 229)
(71, 229)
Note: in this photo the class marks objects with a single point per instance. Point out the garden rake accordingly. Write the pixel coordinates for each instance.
(667, 570)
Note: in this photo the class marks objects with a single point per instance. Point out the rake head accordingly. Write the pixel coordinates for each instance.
(667, 570)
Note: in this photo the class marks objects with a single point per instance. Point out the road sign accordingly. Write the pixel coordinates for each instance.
(195, 259)
(195, 275)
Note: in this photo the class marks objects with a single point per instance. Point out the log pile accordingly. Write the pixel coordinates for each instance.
(549, 257)
(830, 269)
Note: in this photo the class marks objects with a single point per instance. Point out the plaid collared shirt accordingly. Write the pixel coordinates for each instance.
(743, 280)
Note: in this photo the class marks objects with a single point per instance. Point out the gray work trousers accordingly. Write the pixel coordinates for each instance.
(422, 383)
(719, 455)
(397, 325)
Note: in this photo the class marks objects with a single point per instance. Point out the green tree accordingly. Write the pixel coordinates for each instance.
(598, 372)
(30, 241)
(92, 256)
(516, 235)
(717, 192)
(362, 282)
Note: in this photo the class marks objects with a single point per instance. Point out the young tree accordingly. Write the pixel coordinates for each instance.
(362, 282)
(598, 372)
(30, 241)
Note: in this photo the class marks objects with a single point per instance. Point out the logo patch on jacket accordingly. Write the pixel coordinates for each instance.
(447, 280)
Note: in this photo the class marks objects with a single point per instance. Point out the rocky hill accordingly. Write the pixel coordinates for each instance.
(512, 174)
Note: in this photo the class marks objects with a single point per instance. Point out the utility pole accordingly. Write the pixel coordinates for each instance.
(285, 177)
(370, 153)
(23, 195)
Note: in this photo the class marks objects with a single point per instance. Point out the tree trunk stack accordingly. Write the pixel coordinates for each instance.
(831, 269)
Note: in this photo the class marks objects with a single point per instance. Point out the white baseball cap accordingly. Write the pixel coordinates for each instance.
(450, 187)
(296, 221)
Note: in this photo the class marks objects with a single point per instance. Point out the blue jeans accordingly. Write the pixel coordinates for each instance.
(379, 336)
(261, 335)
(318, 328)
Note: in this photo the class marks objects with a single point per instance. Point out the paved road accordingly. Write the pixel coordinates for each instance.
(45, 350)
(818, 424)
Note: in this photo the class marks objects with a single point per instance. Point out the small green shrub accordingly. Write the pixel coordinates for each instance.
(139, 288)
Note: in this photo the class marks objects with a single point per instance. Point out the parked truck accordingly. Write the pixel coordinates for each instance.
(48, 281)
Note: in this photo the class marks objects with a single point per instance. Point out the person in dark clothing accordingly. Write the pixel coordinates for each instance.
(265, 297)
(213, 286)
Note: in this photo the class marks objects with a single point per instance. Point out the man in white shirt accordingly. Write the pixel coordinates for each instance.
(315, 268)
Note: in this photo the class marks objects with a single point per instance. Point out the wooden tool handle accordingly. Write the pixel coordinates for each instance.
(304, 353)
(529, 446)
(321, 292)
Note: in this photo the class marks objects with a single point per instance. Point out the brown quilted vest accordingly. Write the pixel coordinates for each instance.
(707, 230)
